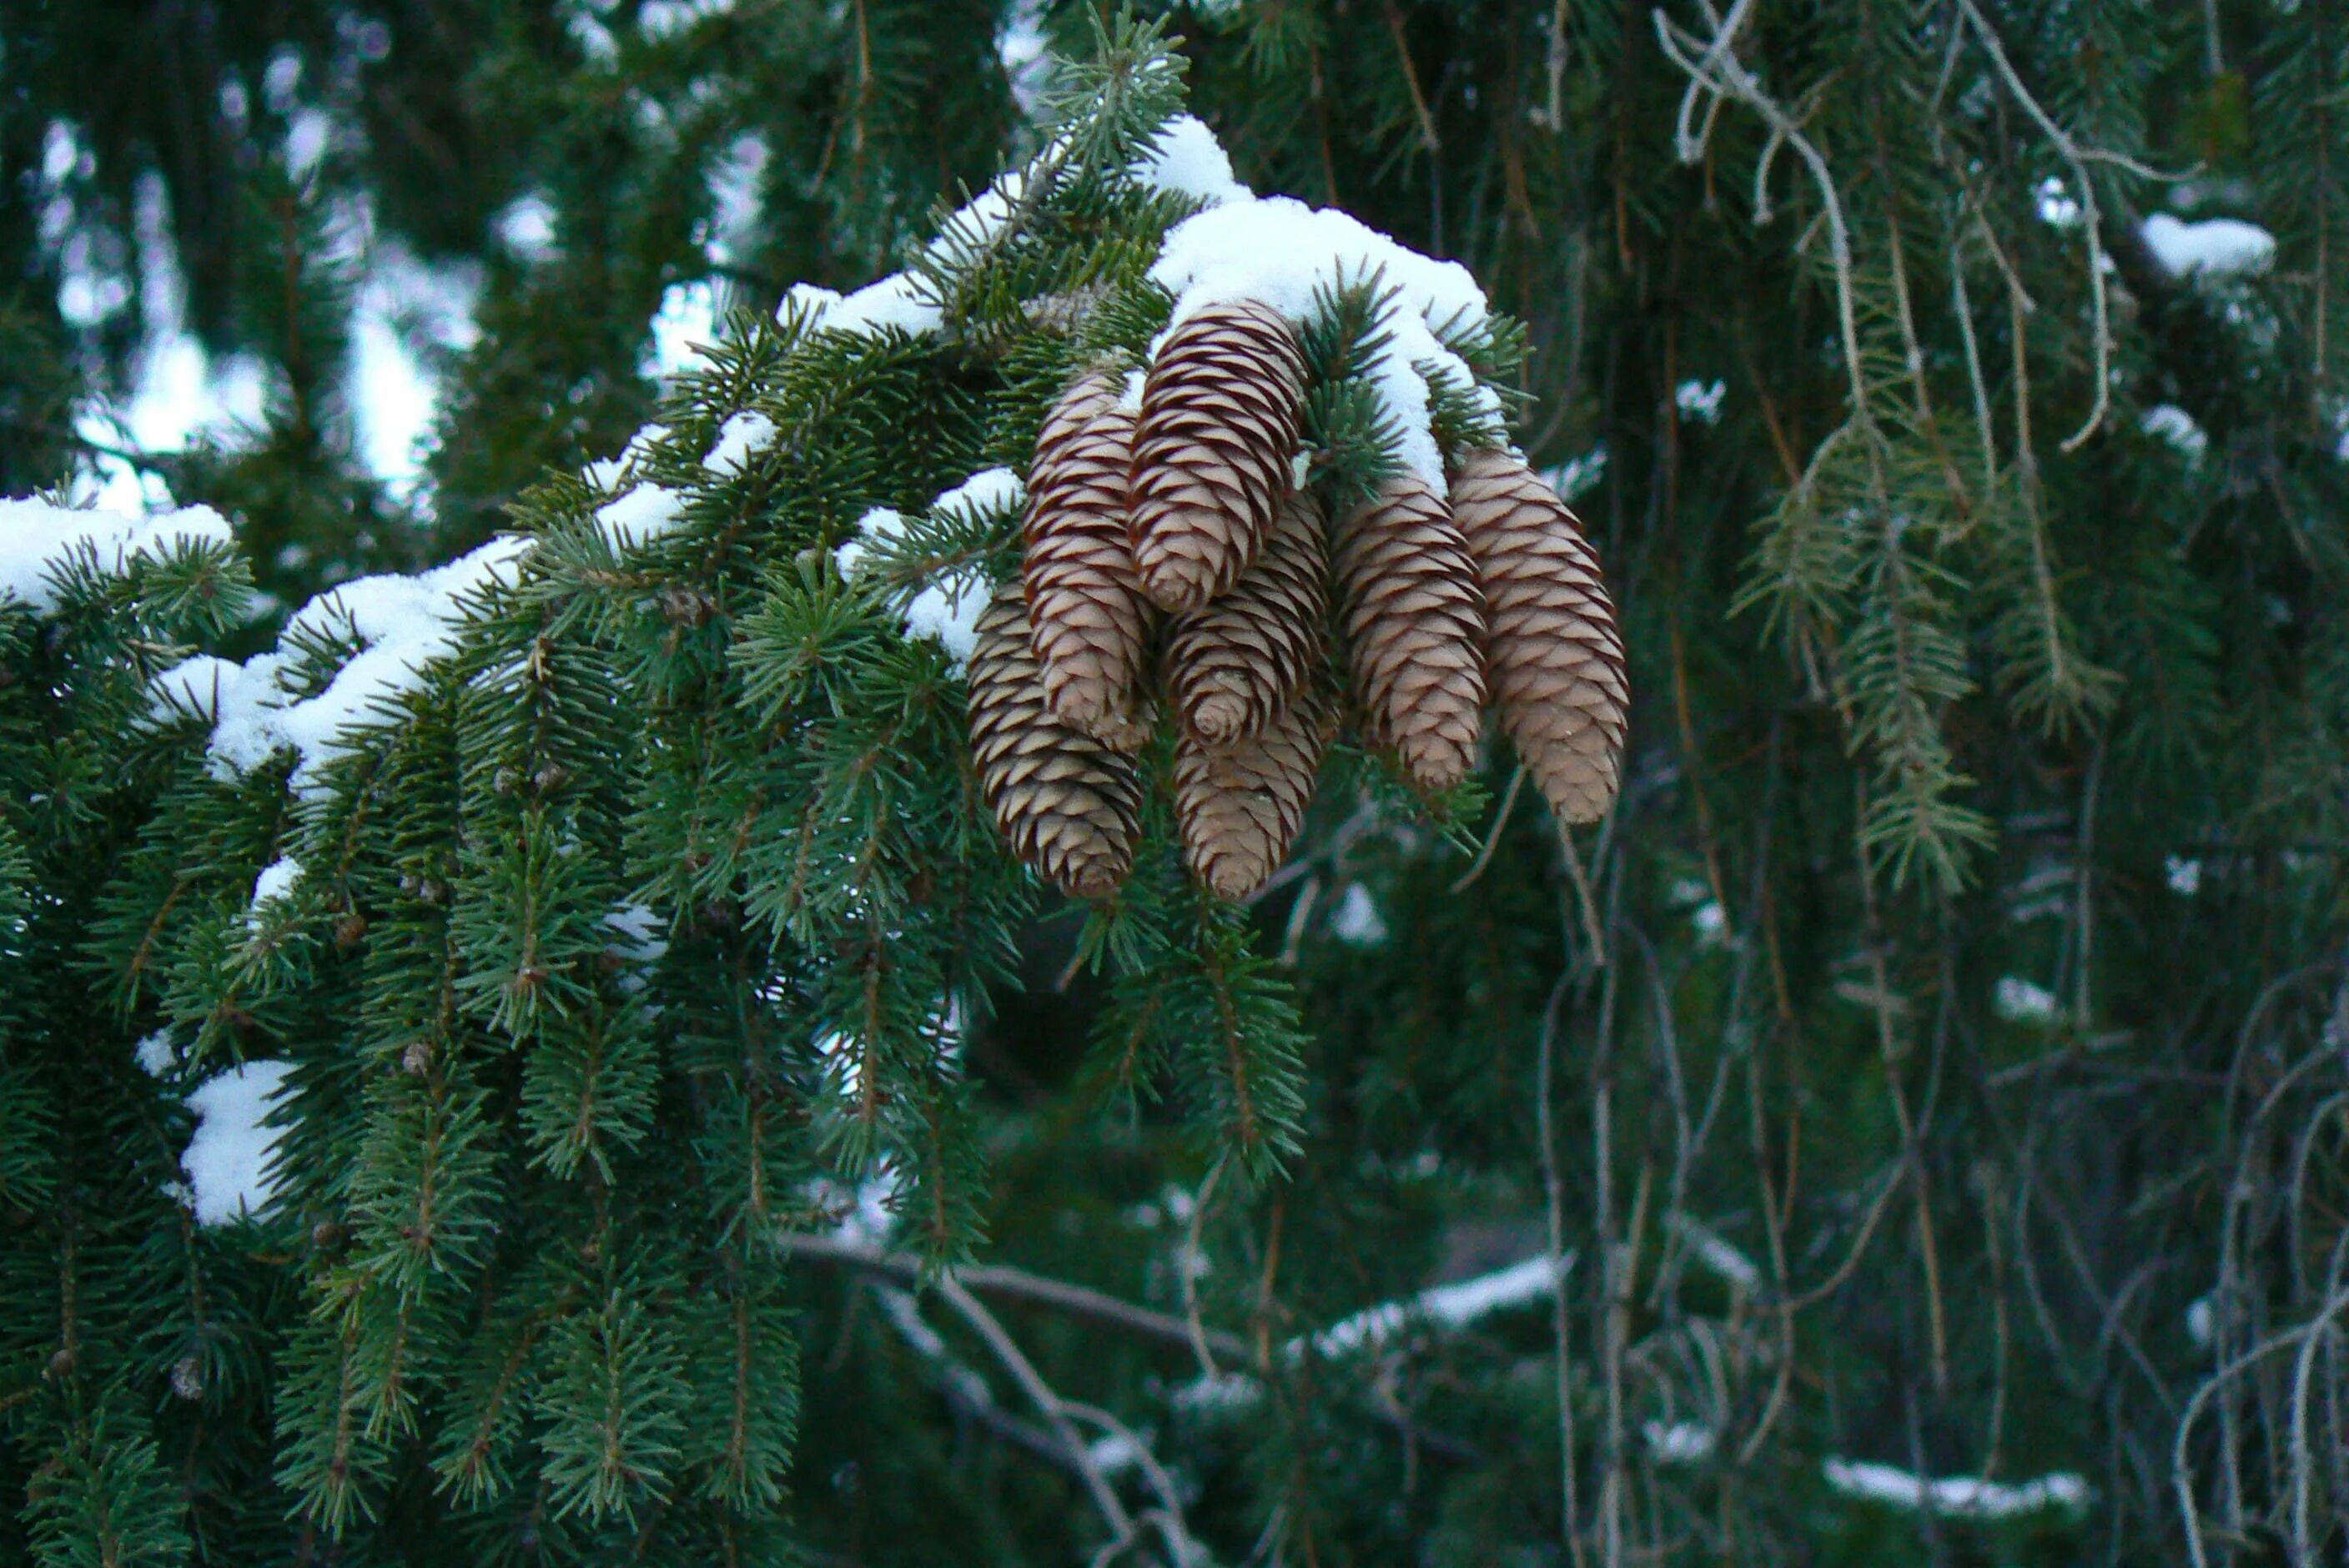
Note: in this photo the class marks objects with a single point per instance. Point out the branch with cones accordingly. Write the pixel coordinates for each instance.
(1174, 565)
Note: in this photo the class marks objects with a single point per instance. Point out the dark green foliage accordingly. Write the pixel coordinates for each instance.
(1934, 1063)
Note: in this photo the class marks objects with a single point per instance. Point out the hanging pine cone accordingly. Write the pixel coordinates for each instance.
(1068, 805)
(1414, 623)
(1233, 665)
(1239, 804)
(1220, 416)
(1089, 622)
(1554, 657)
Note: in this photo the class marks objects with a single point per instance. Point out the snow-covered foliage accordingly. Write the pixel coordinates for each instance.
(640, 516)
(37, 540)
(404, 625)
(1279, 252)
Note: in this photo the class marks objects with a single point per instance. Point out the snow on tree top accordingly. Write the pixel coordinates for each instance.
(1278, 252)
(1273, 249)
(37, 540)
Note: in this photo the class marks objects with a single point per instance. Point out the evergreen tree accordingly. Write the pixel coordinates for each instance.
(697, 1138)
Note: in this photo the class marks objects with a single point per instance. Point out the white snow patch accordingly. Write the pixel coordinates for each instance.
(747, 432)
(636, 934)
(526, 228)
(989, 490)
(1445, 1305)
(2167, 422)
(1186, 159)
(405, 624)
(1441, 1307)
(1955, 1497)
(947, 613)
(156, 1053)
(2019, 1001)
(228, 1159)
(2057, 207)
(946, 610)
(1678, 1442)
(276, 881)
(895, 304)
(642, 515)
(37, 539)
(1701, 400)
(1356, 919)
(881, 526)
(2214, 246)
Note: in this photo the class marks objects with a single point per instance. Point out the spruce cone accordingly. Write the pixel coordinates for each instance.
(1414, 628)
(1239, 805)
(1233, 665)
(1068, 805)
(1555, 658)
(1220, 416)
(1089, 622)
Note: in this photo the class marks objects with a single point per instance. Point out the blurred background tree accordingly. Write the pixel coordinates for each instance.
(1933, 1068)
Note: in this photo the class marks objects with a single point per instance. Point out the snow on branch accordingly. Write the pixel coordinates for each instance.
(2213, 247)
(1955, 1497)
(946, 608)
(1278, 252)
(38, 541)
(229, 1160)
(404, 625)
(1443, 1307)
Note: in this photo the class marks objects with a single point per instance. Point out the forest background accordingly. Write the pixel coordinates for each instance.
(1908, 1126)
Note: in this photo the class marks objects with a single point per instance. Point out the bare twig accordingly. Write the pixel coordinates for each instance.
(1018, 1284)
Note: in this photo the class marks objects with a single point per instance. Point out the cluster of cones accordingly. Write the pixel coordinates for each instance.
(1175, 560)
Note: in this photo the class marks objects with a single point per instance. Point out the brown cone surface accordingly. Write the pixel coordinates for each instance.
(1239, 805)
(1554, 655)
(1089, 622)
(1414, 630)
(1068, 805)
(1220, 416)
(1235, 664)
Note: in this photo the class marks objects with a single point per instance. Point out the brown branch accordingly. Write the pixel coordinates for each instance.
(1018, 1284)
